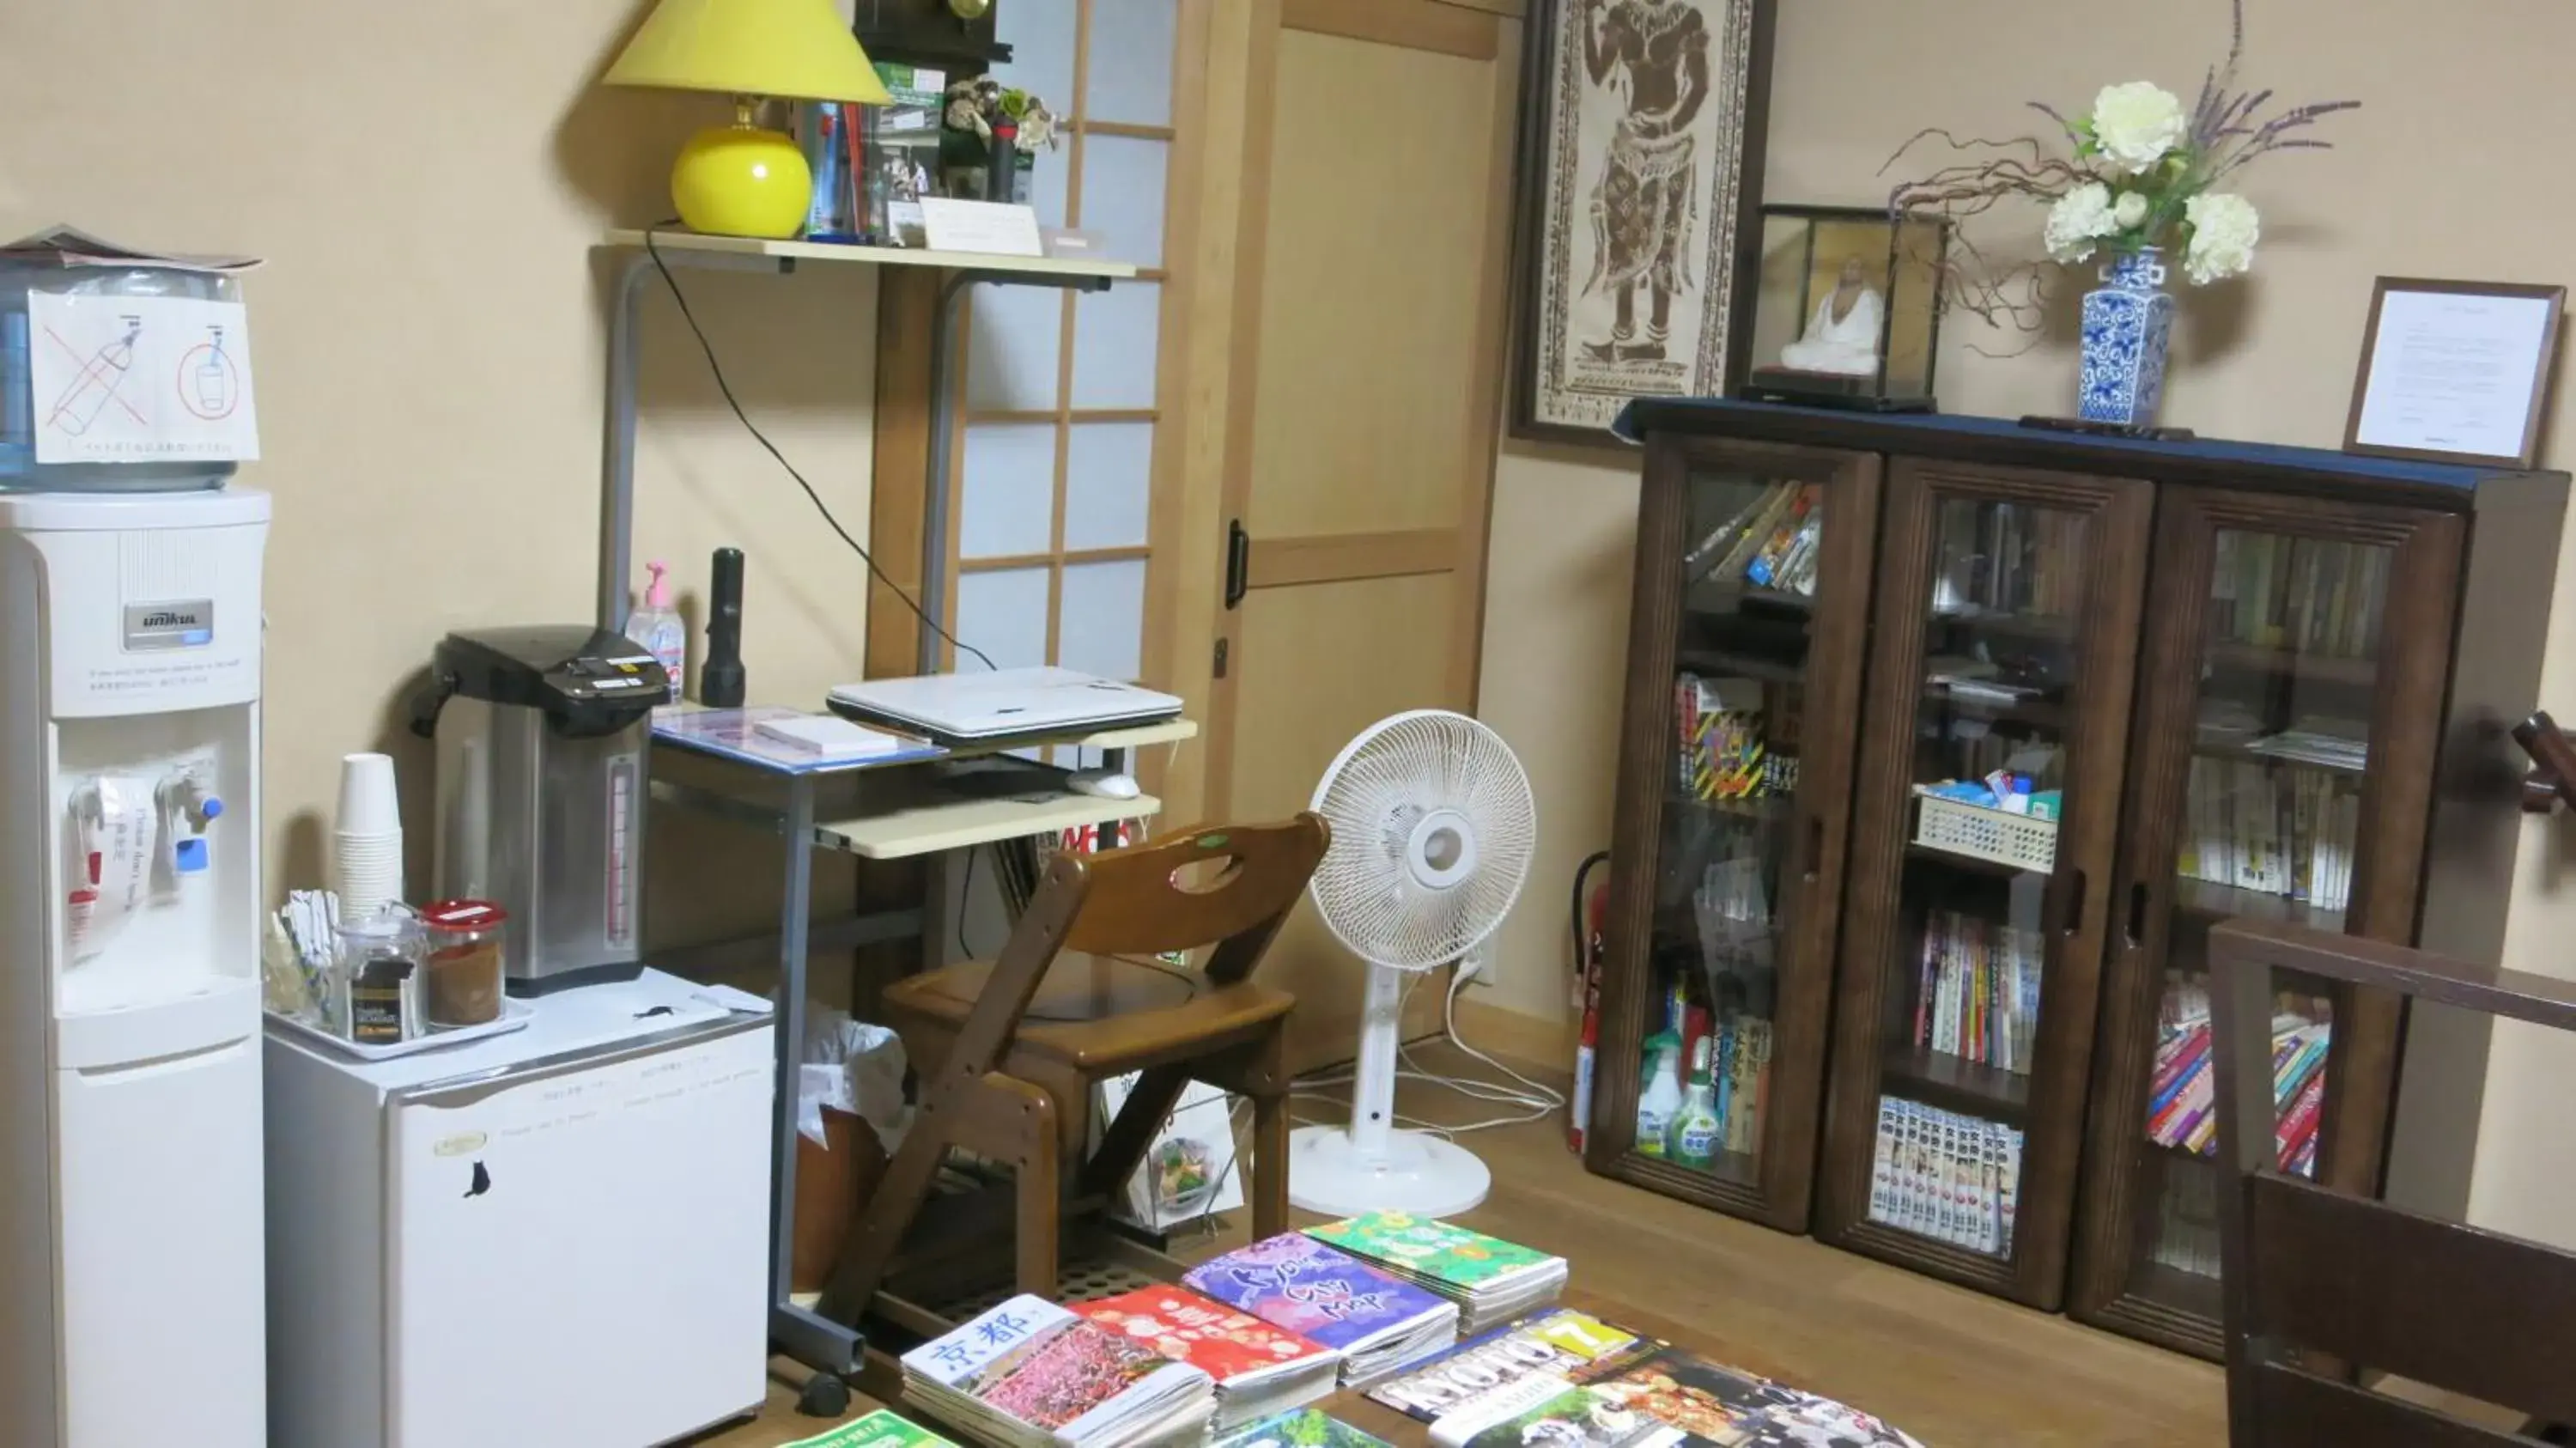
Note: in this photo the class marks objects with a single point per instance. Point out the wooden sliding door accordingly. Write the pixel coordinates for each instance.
(1366, 366)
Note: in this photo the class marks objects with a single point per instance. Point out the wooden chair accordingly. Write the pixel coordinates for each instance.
(1007, 1051)
(2315, 1280)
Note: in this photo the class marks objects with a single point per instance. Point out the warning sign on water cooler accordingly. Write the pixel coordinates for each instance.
(140, 379)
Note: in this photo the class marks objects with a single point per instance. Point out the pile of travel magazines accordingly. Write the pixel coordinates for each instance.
(1029, 1374)
(1375, 1322)
(1260, 1370)
(1490, 1279)
(1567, 1378)
(1237, 1355)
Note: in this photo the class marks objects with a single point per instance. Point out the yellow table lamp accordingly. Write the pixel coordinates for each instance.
(743, 180)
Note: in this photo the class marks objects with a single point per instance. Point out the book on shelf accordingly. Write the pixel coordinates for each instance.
(1377, 1323)
(1558, 1341)
(2181, 1092)
(2313, 596)
(2006, 559)
(1724, 747)
(2186, 1234)
(1299, 1428)
(1653, 1395)
(1259, 1370)
(1947, 1176)
(1030, 1374)
(881, 1429)
(1976, 993)
(2284, 832)
(1774, 542)
(1490, 1279)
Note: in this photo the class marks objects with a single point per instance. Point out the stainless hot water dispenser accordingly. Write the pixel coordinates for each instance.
(541, 737)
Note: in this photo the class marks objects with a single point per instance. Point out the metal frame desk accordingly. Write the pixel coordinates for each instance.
(874, 810)
(786, 802)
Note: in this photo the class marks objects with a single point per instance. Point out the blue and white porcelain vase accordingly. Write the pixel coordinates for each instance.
(2128, 323)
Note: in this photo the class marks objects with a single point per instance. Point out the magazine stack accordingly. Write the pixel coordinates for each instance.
(1259, 1370)
(1029, 1374)
(1292, 1281)
(1490, 1279)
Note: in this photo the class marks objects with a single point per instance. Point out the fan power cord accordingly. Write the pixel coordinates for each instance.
(1530, 1100)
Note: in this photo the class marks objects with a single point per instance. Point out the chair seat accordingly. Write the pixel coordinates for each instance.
(1100, 1015)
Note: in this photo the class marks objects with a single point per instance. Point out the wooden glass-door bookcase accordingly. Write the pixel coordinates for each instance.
(2281, 768)
(1744, 674)
(2230, 679)
(2007, 627)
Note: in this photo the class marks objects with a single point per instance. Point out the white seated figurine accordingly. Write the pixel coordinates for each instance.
(1843, 335)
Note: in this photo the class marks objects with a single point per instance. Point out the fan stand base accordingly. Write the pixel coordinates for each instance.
(1420, 1175)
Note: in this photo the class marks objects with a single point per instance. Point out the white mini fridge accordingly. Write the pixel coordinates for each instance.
(558, 1236)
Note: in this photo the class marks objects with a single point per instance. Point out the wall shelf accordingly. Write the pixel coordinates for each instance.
(697, 244)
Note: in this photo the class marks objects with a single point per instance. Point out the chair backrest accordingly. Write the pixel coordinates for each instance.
(1242, 879)
(2312, 1274)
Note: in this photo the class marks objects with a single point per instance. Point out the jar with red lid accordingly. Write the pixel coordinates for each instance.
(462, 940)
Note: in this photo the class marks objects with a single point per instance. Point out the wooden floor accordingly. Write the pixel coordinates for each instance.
(1955, 1368)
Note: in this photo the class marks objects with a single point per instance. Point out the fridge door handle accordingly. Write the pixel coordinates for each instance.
(465, 1090)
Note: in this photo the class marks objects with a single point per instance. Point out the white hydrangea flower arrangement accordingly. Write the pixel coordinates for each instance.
(2144, 171)
(2152, 189)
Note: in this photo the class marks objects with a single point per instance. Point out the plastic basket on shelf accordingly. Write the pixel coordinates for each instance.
(2022, 841)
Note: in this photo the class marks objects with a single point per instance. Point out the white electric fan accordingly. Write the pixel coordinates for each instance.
(1433, 829)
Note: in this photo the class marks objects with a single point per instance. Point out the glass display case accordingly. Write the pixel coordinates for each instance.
(1944, 749)
(1988, 792)
(1748, 633)
(2281, 629)
(1849, 308)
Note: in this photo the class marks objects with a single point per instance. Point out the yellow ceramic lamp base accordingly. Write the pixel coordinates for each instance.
(741, 180)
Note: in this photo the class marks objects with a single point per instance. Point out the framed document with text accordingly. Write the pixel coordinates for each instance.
(2456, 372)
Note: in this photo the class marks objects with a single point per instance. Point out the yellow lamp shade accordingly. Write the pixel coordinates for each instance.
(797, 49)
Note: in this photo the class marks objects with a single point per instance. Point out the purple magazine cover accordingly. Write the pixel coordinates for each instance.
(1297, 1283)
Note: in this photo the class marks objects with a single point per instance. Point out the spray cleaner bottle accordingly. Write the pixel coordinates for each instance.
(657, 626)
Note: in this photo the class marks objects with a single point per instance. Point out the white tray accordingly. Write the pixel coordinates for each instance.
(515, 1015)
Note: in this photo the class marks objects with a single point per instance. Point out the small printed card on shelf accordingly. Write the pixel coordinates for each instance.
(996, 228)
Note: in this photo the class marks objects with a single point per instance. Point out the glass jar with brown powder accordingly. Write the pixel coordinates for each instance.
(463, 941)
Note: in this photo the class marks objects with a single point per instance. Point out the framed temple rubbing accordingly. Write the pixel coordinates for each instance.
(1640, 187)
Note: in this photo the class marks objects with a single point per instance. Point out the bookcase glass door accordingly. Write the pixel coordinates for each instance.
(2269, 824)
(2001, 666)
(1725, 860)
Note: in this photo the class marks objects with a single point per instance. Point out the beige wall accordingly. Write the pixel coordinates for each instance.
(2436, 176)
(428, 181)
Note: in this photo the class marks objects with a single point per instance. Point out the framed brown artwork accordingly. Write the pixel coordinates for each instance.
(1640, 188)
(2456, 372)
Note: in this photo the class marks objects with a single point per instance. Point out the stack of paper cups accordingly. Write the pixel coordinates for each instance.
(367, 845)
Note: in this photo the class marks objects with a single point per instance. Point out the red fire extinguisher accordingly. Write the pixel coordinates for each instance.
(1589, 949)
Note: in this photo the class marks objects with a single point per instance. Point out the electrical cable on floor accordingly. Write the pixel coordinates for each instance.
(1535, 1103)
(716, 369)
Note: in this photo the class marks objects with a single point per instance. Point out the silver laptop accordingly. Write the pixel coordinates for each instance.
(1001, 704)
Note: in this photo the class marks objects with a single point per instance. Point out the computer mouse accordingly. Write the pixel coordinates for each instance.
(1106, 784)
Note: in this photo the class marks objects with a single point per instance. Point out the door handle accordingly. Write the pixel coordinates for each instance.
(2137, 913)
(1238, 563)
(2070, 909)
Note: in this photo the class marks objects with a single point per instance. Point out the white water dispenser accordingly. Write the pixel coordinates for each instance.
(130, 1151)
